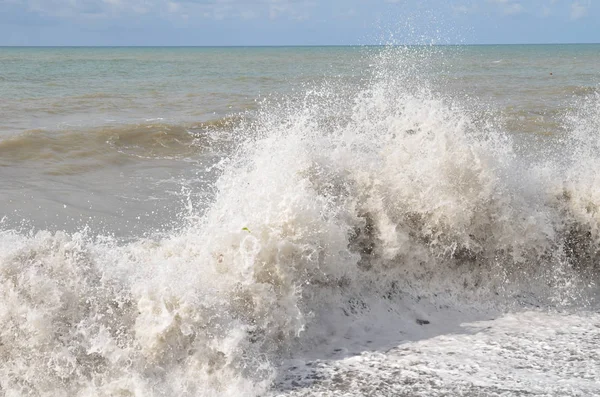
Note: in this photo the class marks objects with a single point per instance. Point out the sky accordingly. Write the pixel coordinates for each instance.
(296, 22)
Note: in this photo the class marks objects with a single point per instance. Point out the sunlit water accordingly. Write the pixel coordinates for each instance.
(300, 221)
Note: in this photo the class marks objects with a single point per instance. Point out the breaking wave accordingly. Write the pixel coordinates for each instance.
(335, 215)
(115, 143)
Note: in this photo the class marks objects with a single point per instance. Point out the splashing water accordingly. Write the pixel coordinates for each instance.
(350, 216)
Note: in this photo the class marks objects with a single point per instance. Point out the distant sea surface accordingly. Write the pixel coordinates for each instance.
(74, 118)
(335, 221)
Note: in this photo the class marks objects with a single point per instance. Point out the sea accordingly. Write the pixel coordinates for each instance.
(386, 220)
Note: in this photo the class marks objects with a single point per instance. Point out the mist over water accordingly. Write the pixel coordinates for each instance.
(399, 235)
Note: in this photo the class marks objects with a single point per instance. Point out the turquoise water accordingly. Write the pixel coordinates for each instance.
(45, 87)
(81, 115)
(53, 87)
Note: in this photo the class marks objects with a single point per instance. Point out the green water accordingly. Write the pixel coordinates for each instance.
(327, 221)
(106, 134)
(54, 87)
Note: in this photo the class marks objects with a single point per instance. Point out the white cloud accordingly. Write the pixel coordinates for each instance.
(89, 8)
(578, 10)
(464, 8)
(293, 9)
(276, 9)
(214, 9)
(546, 11)
(508, 7)
(513, 8)
(248, 14)
(173, 7)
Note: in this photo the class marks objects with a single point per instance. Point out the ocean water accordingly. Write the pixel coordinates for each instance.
(302, 221)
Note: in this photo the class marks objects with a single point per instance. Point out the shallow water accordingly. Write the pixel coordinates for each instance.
(300, 221)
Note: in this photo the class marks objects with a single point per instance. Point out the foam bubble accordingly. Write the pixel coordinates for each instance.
(339, 217)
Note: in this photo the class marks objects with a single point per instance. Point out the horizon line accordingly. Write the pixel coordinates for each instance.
(292, 45)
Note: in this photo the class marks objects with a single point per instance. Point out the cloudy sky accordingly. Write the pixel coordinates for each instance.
(296, 22)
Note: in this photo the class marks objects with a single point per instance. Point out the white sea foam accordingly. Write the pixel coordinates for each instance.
(342, 225)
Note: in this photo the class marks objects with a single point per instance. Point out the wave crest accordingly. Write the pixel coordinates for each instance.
(336, 217)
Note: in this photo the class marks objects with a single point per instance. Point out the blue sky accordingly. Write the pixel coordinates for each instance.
(296, 22)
